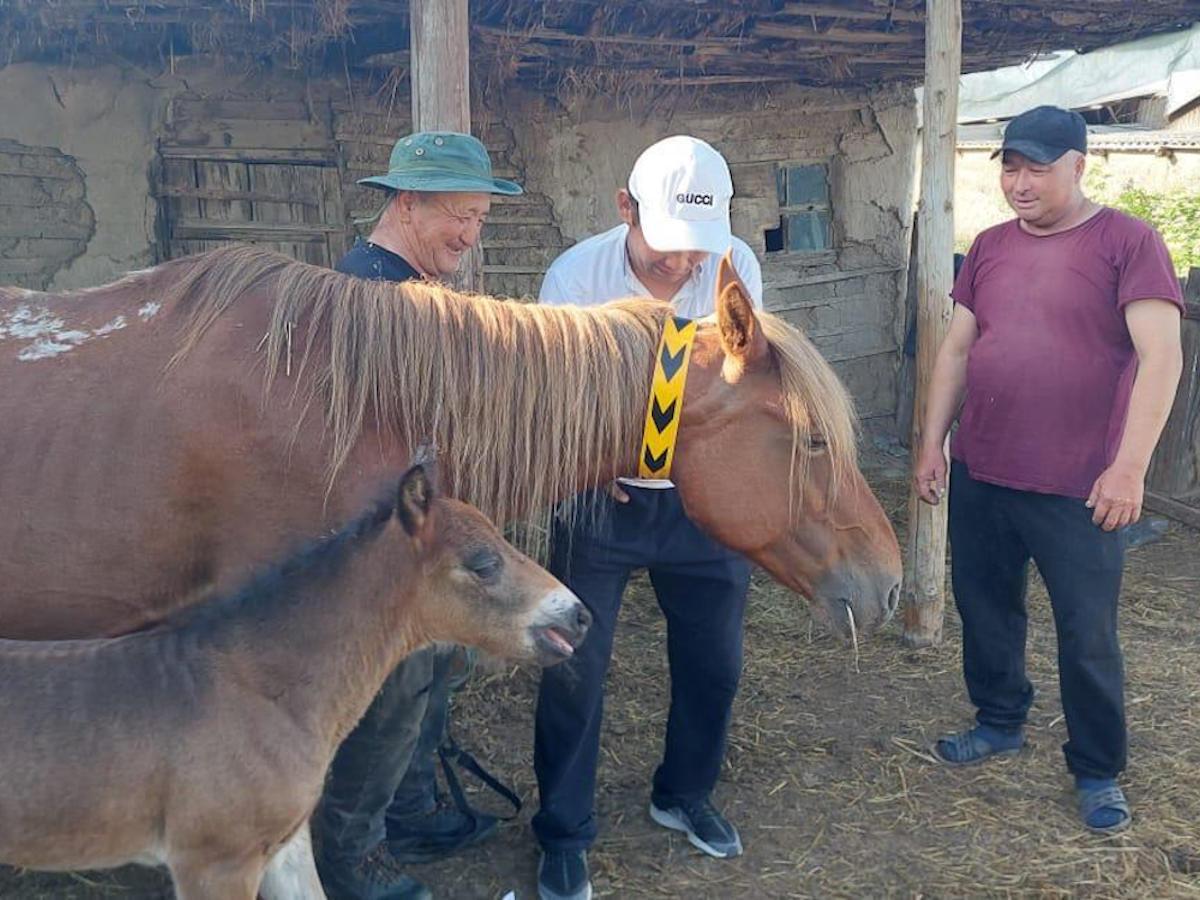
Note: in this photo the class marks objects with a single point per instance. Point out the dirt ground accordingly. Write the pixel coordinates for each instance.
(827, 774)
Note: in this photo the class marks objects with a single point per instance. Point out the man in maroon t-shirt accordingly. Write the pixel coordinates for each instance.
(1061, 364)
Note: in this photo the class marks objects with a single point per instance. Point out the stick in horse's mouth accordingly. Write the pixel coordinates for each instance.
(853, 635)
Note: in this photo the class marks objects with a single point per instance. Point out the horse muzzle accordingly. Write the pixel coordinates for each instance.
(559, 627)
(851, 602)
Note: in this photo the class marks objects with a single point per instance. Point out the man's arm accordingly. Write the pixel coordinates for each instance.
(1154, 327)
(552, 291)
(947, 387)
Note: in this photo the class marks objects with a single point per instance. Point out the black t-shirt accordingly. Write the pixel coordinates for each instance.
(372, 262)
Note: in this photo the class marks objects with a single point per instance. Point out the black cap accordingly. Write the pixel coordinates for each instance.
(1045, 133)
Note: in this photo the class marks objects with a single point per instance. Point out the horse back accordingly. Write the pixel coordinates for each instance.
(128, 485)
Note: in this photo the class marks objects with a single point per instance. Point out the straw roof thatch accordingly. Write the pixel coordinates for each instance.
(851, 43)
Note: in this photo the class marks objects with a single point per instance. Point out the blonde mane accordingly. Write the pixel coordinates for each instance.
(557, 393)
(816, 403)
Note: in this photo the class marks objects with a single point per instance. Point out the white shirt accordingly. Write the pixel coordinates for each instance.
(597, 270)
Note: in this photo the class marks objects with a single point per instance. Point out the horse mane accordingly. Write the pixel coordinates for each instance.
(560, 391)
(815, 402)
(311, 563)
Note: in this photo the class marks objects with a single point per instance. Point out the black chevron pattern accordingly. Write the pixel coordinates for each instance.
(662, 417)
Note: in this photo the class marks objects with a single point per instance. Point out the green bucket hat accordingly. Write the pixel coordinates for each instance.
(441, 161)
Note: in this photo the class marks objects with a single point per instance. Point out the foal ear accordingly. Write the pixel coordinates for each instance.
(415, 497)
(741, 336)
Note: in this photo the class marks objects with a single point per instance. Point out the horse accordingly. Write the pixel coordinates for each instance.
(181, 425)
(202, 744)
(164, 434)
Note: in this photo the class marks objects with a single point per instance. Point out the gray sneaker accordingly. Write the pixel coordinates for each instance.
(563, 875)
(705, 828)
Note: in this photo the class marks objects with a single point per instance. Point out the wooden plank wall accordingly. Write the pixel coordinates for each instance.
(252, 169)
(848, 300)
(521, 237)
(1175, 469)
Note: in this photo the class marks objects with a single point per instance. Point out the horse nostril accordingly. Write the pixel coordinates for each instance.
(583, 617)
(893, 599)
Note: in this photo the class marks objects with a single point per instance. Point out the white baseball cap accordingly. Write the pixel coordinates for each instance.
(683, 188)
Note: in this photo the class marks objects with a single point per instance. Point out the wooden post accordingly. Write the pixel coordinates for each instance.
(439, 59)
(924, 593)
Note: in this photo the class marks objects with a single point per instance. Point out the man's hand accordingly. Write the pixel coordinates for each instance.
(616, 492)
(1116, 498)
(929, 474)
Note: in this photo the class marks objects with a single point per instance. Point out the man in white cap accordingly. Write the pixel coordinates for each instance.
(675, 216)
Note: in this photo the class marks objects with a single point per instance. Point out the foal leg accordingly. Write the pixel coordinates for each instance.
(218, 881)
(292, 874)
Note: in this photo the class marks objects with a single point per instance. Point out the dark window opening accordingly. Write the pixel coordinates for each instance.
(805, 220)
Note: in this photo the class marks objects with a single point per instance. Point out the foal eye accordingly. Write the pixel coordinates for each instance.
(817, 443)
(484, 564)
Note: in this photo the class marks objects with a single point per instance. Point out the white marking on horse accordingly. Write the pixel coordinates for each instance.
(555, 607)
(148, 311)
(292, 874)
(26, 323)
(49, 334)
(115, 325)
(45, 348)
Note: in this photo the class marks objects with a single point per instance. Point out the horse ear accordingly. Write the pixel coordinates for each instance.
(415, 497)
(741, 336)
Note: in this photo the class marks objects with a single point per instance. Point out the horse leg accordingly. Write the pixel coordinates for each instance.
(217, 881)
(292, 874)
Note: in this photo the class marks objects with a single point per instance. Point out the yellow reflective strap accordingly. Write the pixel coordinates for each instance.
(665, 408)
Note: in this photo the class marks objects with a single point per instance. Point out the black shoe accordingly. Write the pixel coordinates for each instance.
(440, 833)
(706, 828)
(376, 876)
(563, 875)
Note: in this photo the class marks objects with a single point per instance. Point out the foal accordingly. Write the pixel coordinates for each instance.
(202, 745)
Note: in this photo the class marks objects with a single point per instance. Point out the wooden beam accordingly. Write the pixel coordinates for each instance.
(555, 35)
(193, 193)
(441, 97)
(847, 11)
(924, 590)
(251, 155)
(794, 31)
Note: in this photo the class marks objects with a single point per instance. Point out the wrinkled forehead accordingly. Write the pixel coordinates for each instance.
(1012, 159)
(457, 203)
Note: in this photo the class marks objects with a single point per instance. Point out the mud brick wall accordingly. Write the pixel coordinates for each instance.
(45, 220)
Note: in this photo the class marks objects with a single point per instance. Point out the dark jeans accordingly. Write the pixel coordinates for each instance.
(386, 766)
(994, 532)
(701, 588)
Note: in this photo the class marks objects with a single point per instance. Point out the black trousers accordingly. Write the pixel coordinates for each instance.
(701, 588)
(994, 533)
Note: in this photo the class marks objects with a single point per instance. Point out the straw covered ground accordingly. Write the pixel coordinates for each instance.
(827, 771)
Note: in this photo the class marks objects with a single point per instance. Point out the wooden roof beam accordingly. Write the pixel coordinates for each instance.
(847, 11)
(794, 31)
(633, 40)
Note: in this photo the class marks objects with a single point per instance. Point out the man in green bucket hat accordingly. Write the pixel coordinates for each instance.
(440, 185)
(381, 805)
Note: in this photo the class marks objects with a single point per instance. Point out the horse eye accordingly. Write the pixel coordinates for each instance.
(817, 443)
(484, 564)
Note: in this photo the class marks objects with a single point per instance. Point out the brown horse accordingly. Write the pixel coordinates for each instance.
(163, 434)
(202, 744)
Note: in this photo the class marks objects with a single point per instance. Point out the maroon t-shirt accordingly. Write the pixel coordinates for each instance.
(1050, 374)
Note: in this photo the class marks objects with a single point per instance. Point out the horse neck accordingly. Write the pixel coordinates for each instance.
(322, 650)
